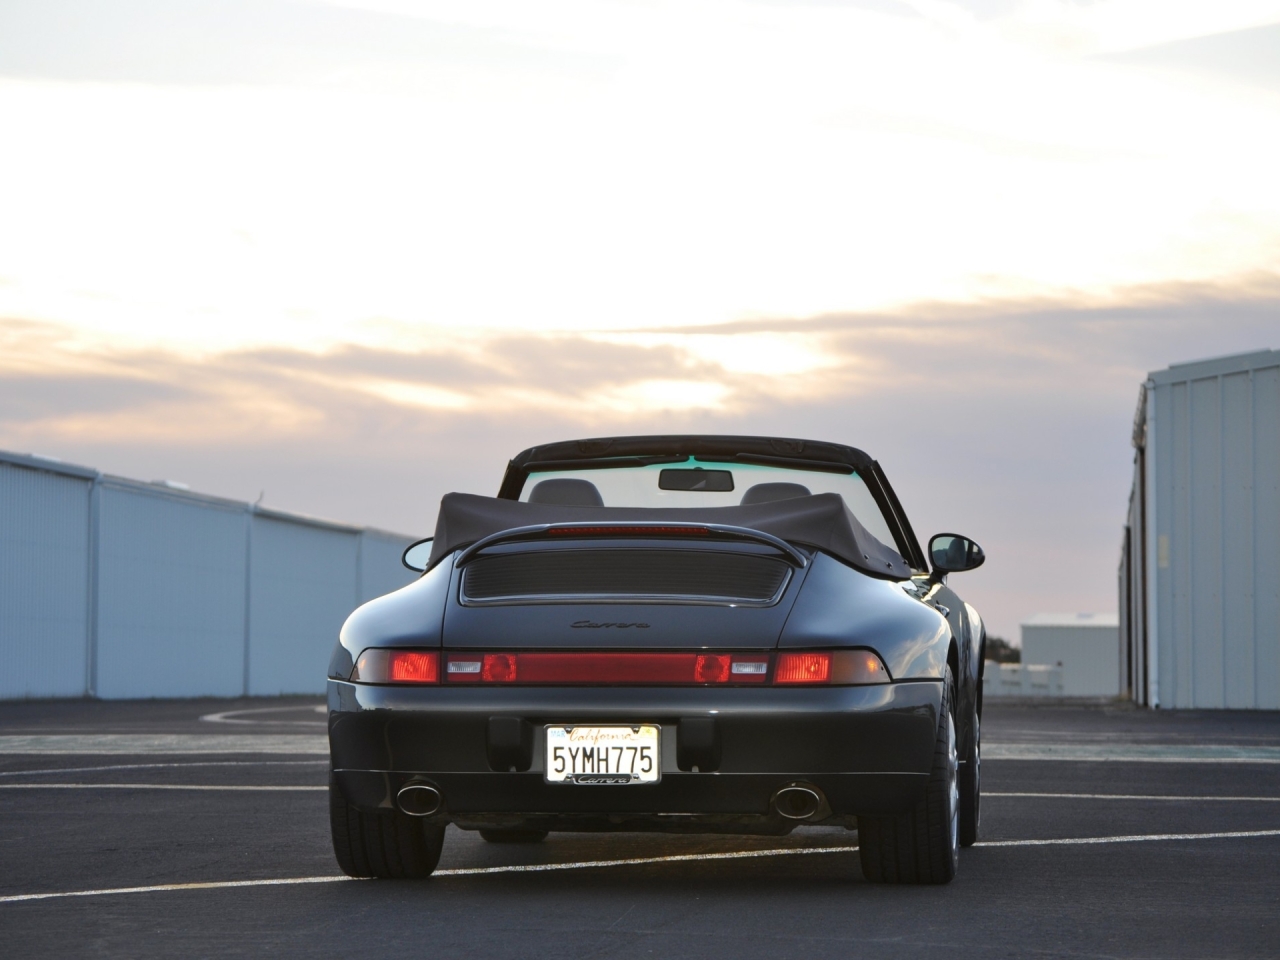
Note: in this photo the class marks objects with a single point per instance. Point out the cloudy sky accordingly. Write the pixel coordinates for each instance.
(356, 254)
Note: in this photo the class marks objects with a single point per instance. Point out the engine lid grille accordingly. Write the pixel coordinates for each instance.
(689, 576)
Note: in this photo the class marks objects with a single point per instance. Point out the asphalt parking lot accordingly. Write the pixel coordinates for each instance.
(199, 828)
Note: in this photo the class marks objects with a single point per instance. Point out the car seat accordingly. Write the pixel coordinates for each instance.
(768, 492)
(566, 492)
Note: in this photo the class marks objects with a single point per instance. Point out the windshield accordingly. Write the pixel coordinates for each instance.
(696, 483)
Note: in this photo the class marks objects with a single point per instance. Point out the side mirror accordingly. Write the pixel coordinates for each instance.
(416, 555)
(952, 553)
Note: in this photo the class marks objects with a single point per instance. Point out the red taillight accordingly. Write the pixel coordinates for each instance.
(412, 666)
(711, 668)
(607, 668)
(498, 668)
(628, 532)
(835, 667)
(803, 668)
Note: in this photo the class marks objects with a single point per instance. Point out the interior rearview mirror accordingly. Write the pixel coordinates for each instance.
(952, 553)
(417, 554)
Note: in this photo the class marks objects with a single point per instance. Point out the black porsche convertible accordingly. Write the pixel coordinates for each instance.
(674, 633)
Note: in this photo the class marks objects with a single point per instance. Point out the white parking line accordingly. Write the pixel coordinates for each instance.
(635, 861)
(164, 743)
(1132, 752)
(236, 716)
(157, 766)
(150, 786)
(1132, 838)
(165, 887)
(1128, 796)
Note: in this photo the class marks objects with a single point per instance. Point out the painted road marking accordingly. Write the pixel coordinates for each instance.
(1132, 753)
(238, 716)
(147, 786)
(634, 861)
(165, 887)
(166, 743)
(639, 861)
(1128, 796)
(158, 766)
(1131, 838)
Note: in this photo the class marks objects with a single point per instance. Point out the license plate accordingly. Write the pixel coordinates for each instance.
(603, 755)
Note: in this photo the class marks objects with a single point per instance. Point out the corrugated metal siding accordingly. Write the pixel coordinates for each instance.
(1204, 641)
(171, 592)
(380, 568)
(303, 586)
(1266, 542)
(117, 588)
(1217, 516)
(1170, 623)
(1237, 548)
(44, 584)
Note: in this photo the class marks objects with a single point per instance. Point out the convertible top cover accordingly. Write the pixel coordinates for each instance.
(820, 520)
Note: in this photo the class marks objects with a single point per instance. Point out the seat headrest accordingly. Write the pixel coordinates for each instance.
(566, 492)
(768, 492)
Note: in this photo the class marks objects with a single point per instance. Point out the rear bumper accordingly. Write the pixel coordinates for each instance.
(867, 749)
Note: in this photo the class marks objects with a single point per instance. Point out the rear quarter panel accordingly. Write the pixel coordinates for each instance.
(412, 616)
(841, 607)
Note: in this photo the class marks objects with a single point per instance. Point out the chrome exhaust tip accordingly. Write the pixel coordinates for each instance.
(797, 803)
(419, 800)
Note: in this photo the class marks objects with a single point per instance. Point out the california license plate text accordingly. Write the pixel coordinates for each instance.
(603, 755)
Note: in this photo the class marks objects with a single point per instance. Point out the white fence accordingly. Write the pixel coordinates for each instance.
(1021, 680)
(114, 588)
(1085, 645)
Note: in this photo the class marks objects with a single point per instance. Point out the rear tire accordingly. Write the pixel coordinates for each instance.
(922, 846)
(514, 836)
(391, 844)
(970, 777)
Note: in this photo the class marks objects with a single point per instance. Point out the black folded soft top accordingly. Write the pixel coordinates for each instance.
(821, 521)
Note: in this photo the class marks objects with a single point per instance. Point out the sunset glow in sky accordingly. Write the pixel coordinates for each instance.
(236, 234)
